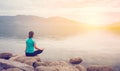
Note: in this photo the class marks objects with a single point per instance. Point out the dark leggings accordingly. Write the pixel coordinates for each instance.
(35, 53)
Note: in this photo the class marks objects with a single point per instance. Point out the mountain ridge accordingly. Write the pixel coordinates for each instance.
(19, 25)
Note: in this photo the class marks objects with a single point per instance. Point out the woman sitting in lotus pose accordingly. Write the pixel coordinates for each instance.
(30, 45)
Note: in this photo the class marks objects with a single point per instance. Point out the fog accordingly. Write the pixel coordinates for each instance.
(96, 47)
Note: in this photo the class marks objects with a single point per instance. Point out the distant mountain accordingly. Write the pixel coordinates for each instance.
(20, 25)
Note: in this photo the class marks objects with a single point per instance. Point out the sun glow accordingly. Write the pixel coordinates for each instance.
(94, 19)
(92, 15)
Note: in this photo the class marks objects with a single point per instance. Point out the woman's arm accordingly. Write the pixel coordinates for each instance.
(37, 47)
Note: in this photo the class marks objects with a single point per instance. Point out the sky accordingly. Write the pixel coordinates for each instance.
(86, 11)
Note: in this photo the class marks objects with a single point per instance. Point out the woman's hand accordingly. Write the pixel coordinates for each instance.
(41, 48)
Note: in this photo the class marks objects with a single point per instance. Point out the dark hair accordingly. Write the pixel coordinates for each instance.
(31, 33)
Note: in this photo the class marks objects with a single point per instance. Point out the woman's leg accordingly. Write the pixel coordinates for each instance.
(29, 54)
(37, 52)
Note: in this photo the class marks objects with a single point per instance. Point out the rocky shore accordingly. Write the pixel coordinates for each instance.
(10, 62)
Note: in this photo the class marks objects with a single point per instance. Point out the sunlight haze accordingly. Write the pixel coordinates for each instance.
(86, 11)
(69, 31)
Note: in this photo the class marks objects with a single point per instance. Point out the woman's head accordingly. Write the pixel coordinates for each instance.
(31, 33)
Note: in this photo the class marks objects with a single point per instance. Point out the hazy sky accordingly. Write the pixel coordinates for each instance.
(88, 11)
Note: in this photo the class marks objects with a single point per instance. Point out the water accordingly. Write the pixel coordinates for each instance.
(96, 47)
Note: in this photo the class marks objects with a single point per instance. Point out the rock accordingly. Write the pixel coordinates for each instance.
(99, 68)
(1, 68)
(80, 68)
(58, 63)
(56, 68)
(30, 62)
(12, 69)
(60, 66)
(36, 64)
(75, 60)
(54, 63)
(6, 64)
(25, 59)
(5, 55)
(43, 68)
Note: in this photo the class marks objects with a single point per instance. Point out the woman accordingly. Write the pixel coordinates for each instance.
(30, 45)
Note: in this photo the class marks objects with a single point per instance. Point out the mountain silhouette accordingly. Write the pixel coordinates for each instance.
(20, 25)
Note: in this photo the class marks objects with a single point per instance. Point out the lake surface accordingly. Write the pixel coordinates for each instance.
(95, 47)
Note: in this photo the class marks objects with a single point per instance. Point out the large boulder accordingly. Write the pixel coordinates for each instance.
(58, 63)
(76, 60)
(99, 68)
(45, 63)
(12, 69)
(59, 66)
(80, 68)
(25, 59)
(56, 68)
(5, 55)
(1, 68)
(48, 63)
(6, 64)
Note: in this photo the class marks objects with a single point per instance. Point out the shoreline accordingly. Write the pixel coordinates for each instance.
(8, 61)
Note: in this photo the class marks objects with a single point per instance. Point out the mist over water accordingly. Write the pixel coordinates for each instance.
(95, 47)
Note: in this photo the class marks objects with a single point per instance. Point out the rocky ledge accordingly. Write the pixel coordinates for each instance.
(23, 63)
